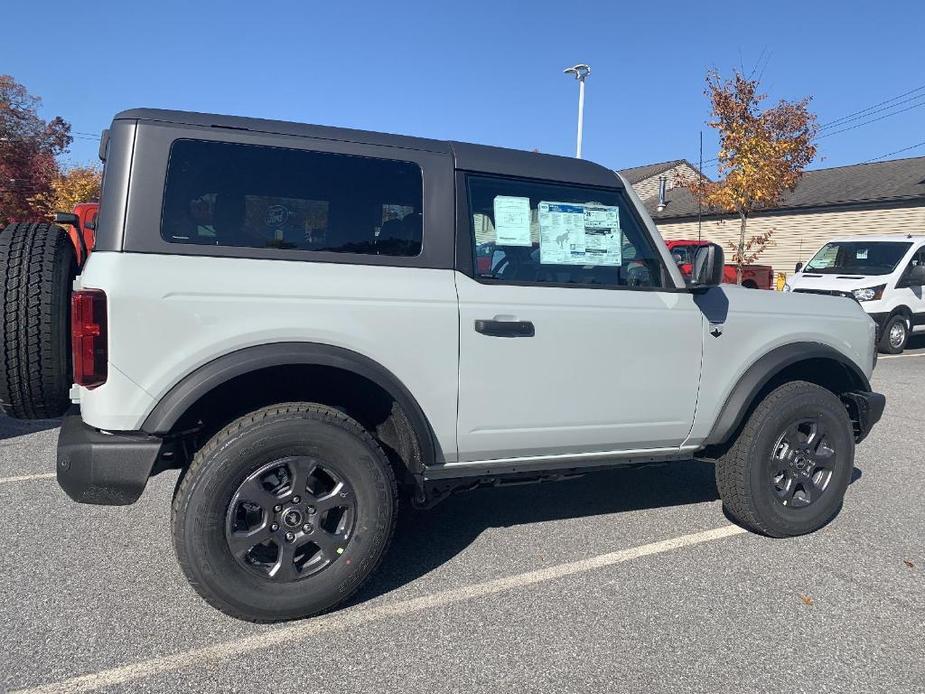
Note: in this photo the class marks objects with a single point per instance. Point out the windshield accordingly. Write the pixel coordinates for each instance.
(858, 257)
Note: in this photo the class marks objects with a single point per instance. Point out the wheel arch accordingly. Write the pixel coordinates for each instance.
(283, 359)
(809, 361)
(901, 310)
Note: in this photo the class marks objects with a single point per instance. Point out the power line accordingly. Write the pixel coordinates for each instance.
(917, 98)
(837, 121)
(873, 120)
(890, 154)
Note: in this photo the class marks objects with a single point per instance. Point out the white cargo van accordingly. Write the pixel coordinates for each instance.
(884, 274)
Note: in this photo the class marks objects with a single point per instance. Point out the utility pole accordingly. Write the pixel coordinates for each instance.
(581, 72)
(700, 189)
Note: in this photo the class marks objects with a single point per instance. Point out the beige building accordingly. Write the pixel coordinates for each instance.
(860, 200)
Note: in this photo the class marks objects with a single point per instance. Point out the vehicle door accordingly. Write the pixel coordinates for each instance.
(573, 340)
(913, 295)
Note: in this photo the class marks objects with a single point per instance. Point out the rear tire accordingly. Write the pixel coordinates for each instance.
(787, 472)
(37, 269)
(256, 540)
(895, 335)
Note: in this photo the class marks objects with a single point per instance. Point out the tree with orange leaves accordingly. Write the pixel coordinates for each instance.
(74, 185)
(29, 146)
(762, 155)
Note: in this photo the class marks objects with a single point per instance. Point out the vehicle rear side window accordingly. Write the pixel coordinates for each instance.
(529, 232)
(249, 196)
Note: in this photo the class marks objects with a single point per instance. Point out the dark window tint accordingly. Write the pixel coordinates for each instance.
(221, 194)
(544, 233)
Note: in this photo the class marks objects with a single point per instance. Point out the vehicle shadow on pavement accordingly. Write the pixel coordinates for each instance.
(424, 540)
(10, 427)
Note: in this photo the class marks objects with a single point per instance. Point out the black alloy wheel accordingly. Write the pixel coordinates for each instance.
(802, 463)
(290, 519)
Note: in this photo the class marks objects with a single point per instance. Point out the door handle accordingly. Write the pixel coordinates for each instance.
(505, 328)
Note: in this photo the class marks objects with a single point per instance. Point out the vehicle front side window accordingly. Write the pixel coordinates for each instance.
(917, 260)
(528, 232)
(225, 194)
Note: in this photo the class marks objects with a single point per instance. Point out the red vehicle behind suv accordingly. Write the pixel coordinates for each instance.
(753, 276)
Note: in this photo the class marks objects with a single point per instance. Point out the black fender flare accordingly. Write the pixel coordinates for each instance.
(743, 395)
(207, 377)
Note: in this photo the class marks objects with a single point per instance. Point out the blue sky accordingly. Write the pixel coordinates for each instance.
(487, 72)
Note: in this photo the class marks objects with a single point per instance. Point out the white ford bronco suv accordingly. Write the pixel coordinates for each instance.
(310, 322)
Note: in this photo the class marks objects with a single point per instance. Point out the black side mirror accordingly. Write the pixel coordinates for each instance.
(915, 277)
(74, 220)
(708, 266)
(798, 267)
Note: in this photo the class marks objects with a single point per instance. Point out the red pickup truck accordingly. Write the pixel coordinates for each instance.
(753, 276)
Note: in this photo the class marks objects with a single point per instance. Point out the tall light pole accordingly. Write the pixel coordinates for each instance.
(581, 72)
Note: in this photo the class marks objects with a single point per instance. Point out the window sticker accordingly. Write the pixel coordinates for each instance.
(512, 221)
(603, 237)
(562, 233)
(575, 234)
(861, 254)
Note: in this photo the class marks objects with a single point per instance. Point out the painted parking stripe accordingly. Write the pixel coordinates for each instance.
(360, 615)
(903, 356)
(27, 478)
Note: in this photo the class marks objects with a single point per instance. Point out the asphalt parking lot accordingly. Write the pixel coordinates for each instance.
(621, 581)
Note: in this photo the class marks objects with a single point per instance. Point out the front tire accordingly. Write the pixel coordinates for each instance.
(284, 513)
(895, 335)
(787, 472)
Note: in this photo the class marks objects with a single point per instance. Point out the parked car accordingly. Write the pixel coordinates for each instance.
(753, 276)
(296, 318)
(884, 274)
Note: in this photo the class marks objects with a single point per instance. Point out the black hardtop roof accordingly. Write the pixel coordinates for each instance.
(468, 157)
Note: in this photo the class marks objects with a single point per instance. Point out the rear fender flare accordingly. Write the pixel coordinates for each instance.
(171, 407)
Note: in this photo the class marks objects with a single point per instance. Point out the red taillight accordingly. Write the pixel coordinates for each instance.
(88, 337)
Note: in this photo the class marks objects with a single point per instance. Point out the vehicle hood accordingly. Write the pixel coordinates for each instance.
(835, 282)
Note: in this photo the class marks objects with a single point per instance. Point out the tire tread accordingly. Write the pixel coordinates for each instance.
(37, 266)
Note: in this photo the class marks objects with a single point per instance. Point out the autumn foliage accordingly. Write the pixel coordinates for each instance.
(74, 185)
(762, 155)
(28, 148)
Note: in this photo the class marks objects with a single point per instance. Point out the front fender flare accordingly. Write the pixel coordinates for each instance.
(740, 401)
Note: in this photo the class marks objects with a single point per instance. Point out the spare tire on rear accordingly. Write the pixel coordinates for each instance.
(37, 269)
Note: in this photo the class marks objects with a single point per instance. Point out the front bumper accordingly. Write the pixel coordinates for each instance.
(104, 468)
(866, 409)
(879, 320)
